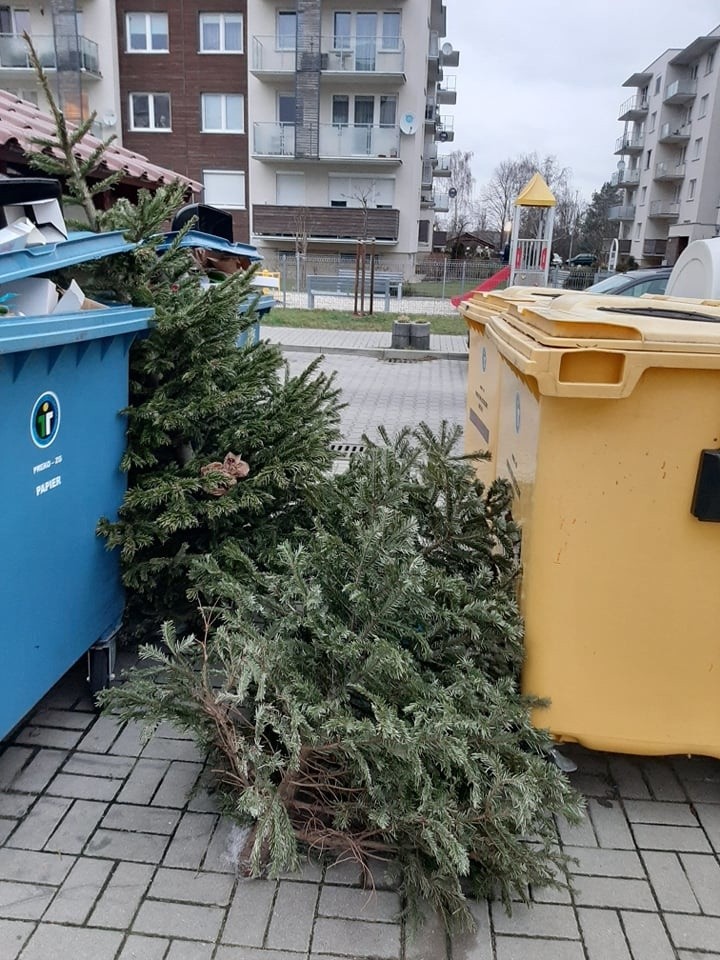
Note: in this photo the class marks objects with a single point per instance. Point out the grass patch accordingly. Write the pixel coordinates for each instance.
(343, 320)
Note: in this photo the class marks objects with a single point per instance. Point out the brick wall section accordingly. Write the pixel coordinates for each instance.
(186, 74)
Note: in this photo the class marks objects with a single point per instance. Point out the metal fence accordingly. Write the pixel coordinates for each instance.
(434, 280)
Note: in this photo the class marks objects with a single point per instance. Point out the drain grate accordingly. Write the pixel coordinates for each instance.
(347, 449)
(406, 359)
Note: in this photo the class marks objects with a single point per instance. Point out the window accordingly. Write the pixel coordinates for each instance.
(149, 111)
(682, 154)
(697, 148)
(286, 30)
(424, 231)
(694, 71)
(223, 113)
(648, 158)
(290, 189)
(651, 125)
(342, 33)
(13, 20)
(341, 110)
(147, 32)
(703, 105)
(390, 31)
(376, 192)
(709, 62)
(225, 189)
(364, 111)
(221, 33)
(658, 84)
(388, 111)
(691, 189)
(286, 108)
(637, 230)
(643, 195)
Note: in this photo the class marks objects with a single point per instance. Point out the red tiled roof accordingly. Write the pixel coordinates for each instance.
(20, 121)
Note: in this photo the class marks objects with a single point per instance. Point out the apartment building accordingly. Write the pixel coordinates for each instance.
(183, 93)
(346, 113)
(668, 171)
(77, 46)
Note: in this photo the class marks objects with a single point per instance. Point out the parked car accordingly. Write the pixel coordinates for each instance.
(583, 260)
(634, 283)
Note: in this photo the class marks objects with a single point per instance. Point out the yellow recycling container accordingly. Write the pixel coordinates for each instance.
(483, 384)
(603, 408)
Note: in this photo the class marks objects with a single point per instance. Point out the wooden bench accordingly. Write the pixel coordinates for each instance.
(395, 279)
(344, 286)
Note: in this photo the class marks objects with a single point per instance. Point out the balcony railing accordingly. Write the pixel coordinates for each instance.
(333, 54)
(445, 129)
(326, 223)
(680, 91)
(634, 108)
(621, 213)
(442, 168)
(447, 91)
(441, 201)
(664, 209)
(625, 178)
(359, 142)
(669, 171)
(654, 248)
(674, 133)
(629, 144)
(14, 54)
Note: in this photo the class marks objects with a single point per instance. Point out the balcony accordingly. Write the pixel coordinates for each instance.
(442, 168)
(431, 113)
(629, 143)
(654, 248)
(448, 56)
(325, 224)
(365, 143)
(14, 54)
(669, 171)
(447, 91)
(664, 210)
(634, 108)
(444, 129)
(441, 201)
(621, 213)
(346, 56)
(680, 91)
(626, 178)
(427, 176)
(674, 133)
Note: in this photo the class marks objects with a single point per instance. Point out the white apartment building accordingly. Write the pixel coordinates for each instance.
(346, 109)
(77, 45)
(669, 166)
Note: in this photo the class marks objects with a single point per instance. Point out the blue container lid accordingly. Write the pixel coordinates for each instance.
(80, 247)
(20, 334)
(207, 241)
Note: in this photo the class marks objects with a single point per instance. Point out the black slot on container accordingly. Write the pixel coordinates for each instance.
(706, 498)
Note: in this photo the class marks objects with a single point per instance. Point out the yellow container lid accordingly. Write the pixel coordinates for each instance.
(596, 346)
(630, 323)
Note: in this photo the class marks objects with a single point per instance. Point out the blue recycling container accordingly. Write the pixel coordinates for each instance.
(63, 385)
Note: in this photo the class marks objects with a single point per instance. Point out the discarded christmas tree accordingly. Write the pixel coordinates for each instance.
(353, 673)
(360, 697)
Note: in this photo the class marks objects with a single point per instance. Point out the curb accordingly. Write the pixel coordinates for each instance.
(380, 353)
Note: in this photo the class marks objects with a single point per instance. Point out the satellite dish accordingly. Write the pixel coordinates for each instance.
(442, 136)
(452, 193)
(446, 49)
(408, 123)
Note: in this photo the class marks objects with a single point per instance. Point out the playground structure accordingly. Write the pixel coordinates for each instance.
(529, 256)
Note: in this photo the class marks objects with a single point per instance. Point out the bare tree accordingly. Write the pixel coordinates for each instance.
(508, 179)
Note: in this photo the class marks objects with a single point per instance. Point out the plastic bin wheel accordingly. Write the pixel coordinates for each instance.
(101, 665)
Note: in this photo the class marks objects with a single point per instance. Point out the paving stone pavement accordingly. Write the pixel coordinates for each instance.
(113, 849)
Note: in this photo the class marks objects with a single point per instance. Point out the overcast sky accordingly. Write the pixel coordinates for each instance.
(547, 76)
